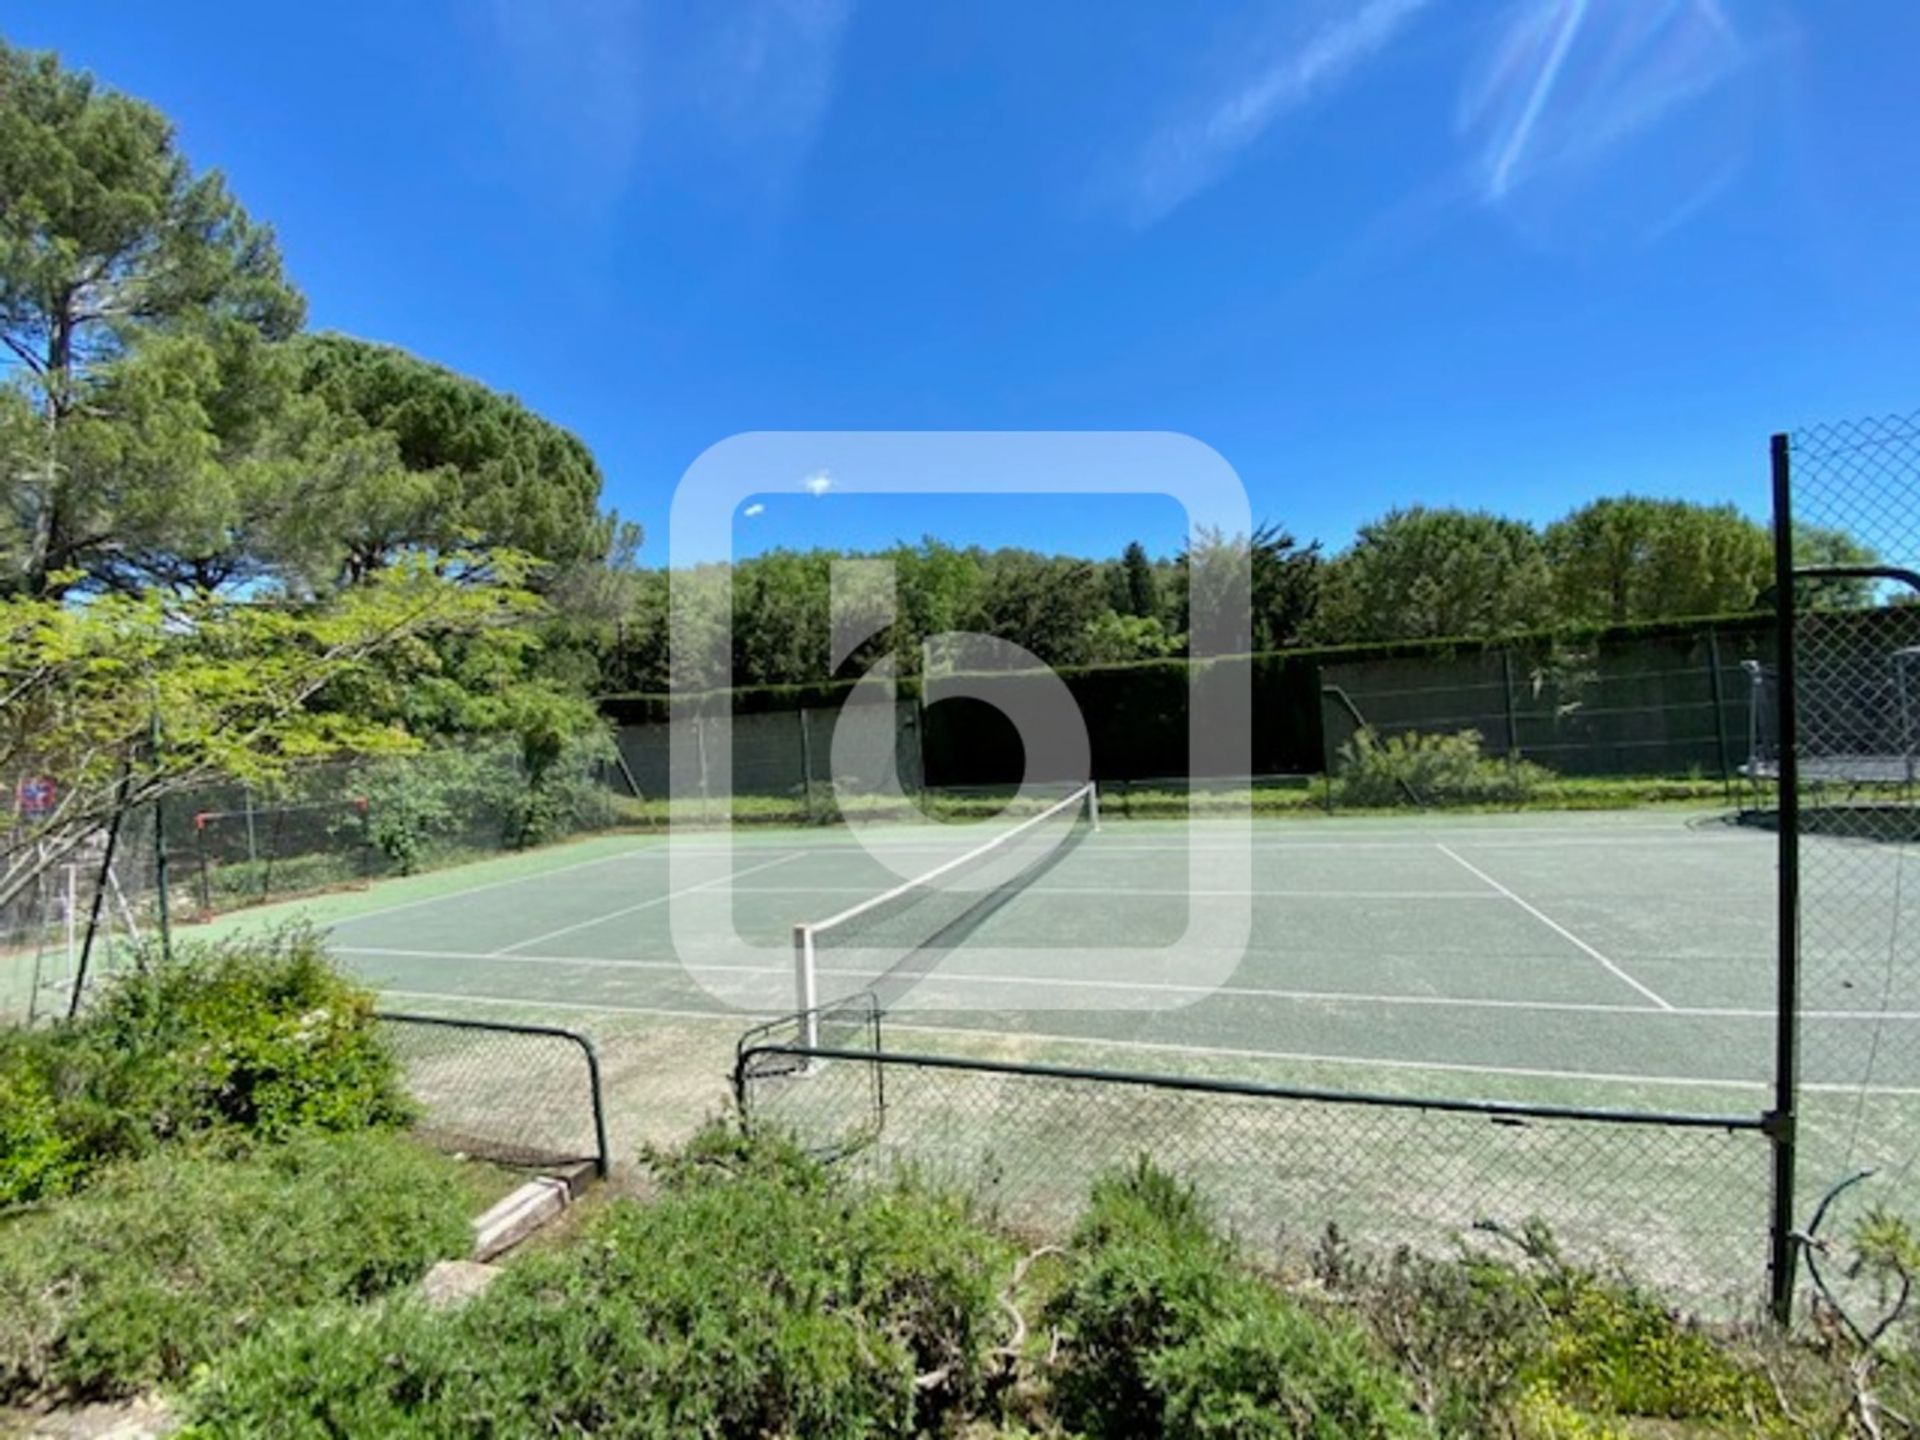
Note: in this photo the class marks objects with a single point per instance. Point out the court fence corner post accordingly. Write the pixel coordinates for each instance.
(1782, 1121)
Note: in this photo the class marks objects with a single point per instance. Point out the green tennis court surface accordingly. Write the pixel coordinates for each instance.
(1619, 959)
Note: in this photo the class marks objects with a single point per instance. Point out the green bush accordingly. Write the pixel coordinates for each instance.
(259, 1037)
(1167, 1333)
(1544, 1348)
(167, 1260)
(37, 1156)
(758, 1295)
(1430, 770)
(250, 882)
(424, 805)
(1462, 1328)
(1266, 1368)
(1615, 1350)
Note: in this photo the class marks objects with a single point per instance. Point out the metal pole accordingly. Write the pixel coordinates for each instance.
(700, 748)
(806, 980)
(1783, 1249)
(100, 885)
(1506, 687)
(160, 877)
(806, 762)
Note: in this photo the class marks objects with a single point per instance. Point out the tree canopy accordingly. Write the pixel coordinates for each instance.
(1426, 573)
(138, 303)
(284, 546)
(1630, 557)
(435, 461)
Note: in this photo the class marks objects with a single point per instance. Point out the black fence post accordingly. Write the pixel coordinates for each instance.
(162, 875)
(1506, 692)
(100, 884)
(806, 767)
(1782, 1121)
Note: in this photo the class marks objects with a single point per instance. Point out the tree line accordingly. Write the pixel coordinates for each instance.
(1417, 573)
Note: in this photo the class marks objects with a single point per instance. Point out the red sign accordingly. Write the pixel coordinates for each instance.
(37, 795)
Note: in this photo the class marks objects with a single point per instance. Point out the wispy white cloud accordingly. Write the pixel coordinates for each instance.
(580, 85)
(1570, 82)
(605, 86)
(774, 61)
(754, 509)
(818, 483)
(1190, 153)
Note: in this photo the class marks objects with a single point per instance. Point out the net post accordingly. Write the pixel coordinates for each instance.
(1783, 1248)
(1093, 804)
(806, 977)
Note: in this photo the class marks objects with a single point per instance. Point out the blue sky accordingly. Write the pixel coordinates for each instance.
(1374, 252)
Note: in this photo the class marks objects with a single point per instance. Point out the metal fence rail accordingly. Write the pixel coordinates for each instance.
(518, 1094)
(1680, 1200)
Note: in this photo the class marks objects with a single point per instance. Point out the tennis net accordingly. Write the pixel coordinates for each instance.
(888, 943)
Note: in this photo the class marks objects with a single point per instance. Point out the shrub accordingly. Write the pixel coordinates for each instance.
(1266, 1368)
(167, 1260)
(1167, 1333)
(1460, 1329)
(1543, 1347)
(420, 805)
(1617, 1351)
(1431, 770)
(36, 1157)
(260, 1037)
(758, 1294)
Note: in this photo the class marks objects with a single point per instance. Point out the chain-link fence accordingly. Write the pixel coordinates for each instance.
(811, 765)
(1847, 502)
(219, 847)
(78, 910)
(512, 1093)
(1674, 705)
(1680, 1201)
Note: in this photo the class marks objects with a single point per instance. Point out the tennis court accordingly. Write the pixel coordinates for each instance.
(1623, 958)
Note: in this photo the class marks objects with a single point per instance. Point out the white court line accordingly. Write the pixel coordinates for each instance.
(586, 1007)
(649, 904)
(1584, 1077)
(1546, 842)
(1254, 992)
(1555, 926)
(841, 843)
(1177, 893)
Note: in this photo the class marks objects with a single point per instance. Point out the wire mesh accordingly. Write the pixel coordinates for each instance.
(1670, 705)
(1855, 502)
(1677, 1202)
(780, 767)
(516, 1094)
(260, 850)
(86, 904)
